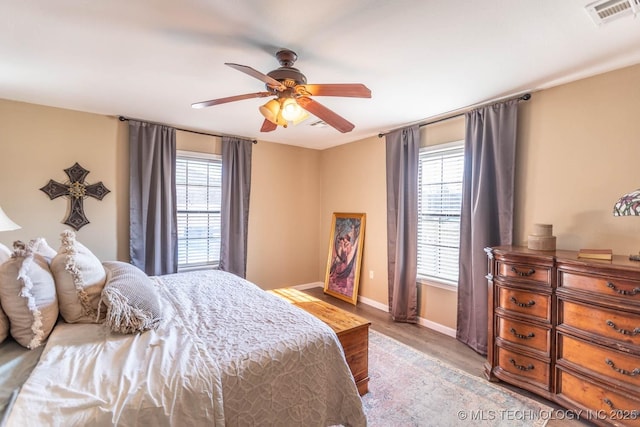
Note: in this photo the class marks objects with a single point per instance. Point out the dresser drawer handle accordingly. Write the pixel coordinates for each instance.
(522, 337)
(633, 333)
(628, 414)
(632, 293)
(633, 373)
(523, 273)
(523, 304)
(521, 367)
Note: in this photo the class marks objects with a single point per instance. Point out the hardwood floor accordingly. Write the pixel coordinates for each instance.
(436, 345)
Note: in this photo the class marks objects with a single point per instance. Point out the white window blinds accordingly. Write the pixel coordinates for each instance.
(439, 203)
(199, 192)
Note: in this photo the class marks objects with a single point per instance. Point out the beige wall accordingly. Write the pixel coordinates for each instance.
(284, 216)
(578, 152)
(38, 142)
(353, 181)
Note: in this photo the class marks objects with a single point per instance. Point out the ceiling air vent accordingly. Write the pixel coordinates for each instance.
(603, 11)
(319, 123)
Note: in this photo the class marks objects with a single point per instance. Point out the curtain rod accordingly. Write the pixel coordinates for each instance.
(463, 111)
(123, 119)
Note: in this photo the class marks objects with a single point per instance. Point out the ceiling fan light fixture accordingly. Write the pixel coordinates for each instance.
(303, 116)
(293, 102)
(291, 111)
(281, 121)
(271, 110)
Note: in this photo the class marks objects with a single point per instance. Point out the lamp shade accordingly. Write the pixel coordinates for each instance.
(303, 116)
(270, 110)
(628, 205)
(291, 111)
(5, 223)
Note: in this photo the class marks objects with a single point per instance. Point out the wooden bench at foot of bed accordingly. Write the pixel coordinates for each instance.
(352, 331)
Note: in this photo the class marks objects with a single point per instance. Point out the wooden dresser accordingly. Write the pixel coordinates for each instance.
(352, 331)
(567, 329)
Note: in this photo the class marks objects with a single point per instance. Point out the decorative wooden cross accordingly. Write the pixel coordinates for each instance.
(76, 190)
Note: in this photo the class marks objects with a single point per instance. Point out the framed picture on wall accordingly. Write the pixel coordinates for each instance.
(345, 256)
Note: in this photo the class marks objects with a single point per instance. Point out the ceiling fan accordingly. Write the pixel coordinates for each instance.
(293, 95)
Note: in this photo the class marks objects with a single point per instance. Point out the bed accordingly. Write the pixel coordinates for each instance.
(225, 353)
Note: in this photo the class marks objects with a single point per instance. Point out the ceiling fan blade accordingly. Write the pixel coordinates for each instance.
(218, 101)
(270, 81)
(355, 90)
(268, 126)
(325, 114)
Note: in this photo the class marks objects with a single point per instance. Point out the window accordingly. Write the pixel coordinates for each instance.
(199, 191)
(439, 204)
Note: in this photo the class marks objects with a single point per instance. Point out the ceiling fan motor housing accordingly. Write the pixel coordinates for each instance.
(288, 76)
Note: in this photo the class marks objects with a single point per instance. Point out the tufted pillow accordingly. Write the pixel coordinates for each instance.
(28, 296)
(79, 277)
(131, 298)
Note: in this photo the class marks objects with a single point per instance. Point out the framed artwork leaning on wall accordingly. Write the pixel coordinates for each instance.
(345, 256)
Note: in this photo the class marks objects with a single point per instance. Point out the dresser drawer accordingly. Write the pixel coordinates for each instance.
(613, 364)
(603, 404)
(530, 272)
(628, 289)
(529, 303)
(524, 334)
(525, 368)
(616, 325)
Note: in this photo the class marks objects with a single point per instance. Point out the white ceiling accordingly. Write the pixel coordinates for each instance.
(151, 59)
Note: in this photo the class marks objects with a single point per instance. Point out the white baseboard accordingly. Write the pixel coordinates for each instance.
(437, 327)
(384, 307)
(309, 286)
(374, 304)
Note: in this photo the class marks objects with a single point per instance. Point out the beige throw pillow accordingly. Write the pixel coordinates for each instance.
(38, 245)
(4, 326)
(131, 299)
(28, 296)
(79, 277)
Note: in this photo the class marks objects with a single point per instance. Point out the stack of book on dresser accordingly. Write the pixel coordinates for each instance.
(603, 254)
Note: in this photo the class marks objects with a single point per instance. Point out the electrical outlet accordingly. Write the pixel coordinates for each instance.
(370, 274)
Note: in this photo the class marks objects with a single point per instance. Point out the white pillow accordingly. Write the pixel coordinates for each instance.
(5, 253)
(28, 296)
(79, 278)
(40, 246)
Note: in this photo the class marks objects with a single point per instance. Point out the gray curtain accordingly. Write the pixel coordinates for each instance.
(153, 243)
(402, 222)
(236, 189)
(487, 211)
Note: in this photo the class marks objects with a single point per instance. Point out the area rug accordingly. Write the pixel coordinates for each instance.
(410, 388)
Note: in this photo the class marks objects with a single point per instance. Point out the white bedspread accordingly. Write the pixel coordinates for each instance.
(227, 353)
